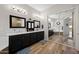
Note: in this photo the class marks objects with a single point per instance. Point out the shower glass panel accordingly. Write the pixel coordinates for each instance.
(67, 28)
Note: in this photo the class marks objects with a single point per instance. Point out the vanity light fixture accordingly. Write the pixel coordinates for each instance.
(20, 10)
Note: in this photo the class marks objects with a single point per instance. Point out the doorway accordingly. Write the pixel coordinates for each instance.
(61, 25)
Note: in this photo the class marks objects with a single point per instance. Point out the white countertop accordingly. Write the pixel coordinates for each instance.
(10, 34)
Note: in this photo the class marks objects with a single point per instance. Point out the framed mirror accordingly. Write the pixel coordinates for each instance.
(17, 22)
(49, 25)
(30, 26)
(36, 24)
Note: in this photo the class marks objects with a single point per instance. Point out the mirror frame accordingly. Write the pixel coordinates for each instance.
(10, 23)
(38, 22)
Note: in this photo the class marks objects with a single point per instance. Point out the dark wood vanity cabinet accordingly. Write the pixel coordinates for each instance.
(21, 41)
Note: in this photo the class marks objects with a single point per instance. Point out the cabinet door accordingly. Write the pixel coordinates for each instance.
(26, 40)
(33, 38)
(15, 43)
(40, 36)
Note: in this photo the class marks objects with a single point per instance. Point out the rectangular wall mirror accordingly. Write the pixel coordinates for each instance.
(36, 24)
(30, 25)
(17, 22)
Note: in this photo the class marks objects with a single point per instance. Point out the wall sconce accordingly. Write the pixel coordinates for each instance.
(30, 19)
(58, 23)
(20, 10)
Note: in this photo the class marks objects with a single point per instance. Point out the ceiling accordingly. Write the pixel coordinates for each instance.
(40, 7)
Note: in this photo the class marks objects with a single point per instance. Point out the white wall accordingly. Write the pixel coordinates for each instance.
(76, 27)
(4, 22)
(44, 22)
(54, 26)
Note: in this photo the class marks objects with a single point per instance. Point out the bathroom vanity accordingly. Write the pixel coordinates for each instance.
(22, 40)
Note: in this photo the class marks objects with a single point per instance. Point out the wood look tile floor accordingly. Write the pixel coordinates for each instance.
(54, 45)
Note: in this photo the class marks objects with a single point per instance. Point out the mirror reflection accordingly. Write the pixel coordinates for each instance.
(17, 22)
